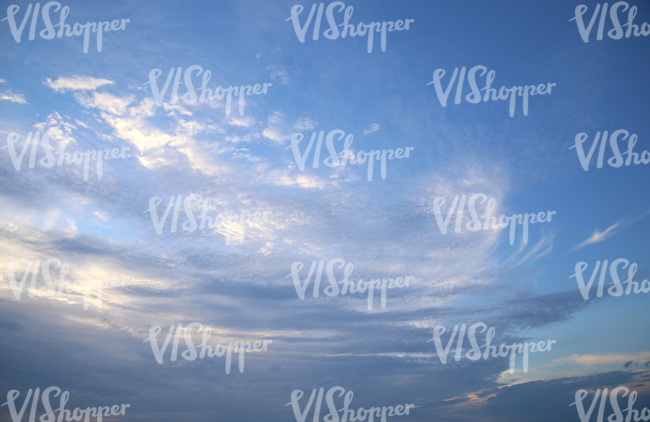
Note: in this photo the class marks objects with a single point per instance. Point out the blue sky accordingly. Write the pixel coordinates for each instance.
(99, 100)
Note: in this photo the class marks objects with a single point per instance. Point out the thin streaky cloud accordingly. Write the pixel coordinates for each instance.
(373, 128)
(600, 359)
(597, 236)
(13, 97)
(76, 83)
(543, 248)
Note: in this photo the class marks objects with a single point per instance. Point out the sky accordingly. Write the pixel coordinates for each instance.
(236, 278)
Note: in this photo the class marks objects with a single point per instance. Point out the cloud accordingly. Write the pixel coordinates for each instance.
(534, 401)
(156, 145)
(274, 131)
(305, 123)
(14, 98)
(101, 216)
(274, 134)
(76, 83)
(541, 249)
(373, 128)
(58, 127)
(609, 359)
(176, 108)
(247, 121)
(82, 124)
(597, 236)
(279, 74)
(275, 118)
(106, 102)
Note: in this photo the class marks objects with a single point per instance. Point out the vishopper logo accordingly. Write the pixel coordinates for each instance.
(348, 414)
(617, 416)
(333, 32)
(48, 33)
(617, 160)
(617, 289)
(615, 33)
(230, 222)
(77, 414)
(206, 93)
(475, 353)
(205, 350)
(48, 161)
(476, 97)
(333, 289)
(334, 161)
(490, 221)
(49, 290)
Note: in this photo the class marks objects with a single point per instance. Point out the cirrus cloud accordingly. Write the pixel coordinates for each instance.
(76, 83)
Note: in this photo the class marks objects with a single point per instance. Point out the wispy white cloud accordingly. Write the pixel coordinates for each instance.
(541, 249)
(175, 108)
(274, 134)
(101, 216)
(597, 236)
(106, 102)
(246, 121)
(373, 128)
(276, 117)
(60, 130)
(76, 83)
(155, 147)
(275, 131)
(82, 124)
(617, 227)
(305, 123)
(13, 97)
(279, 74)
